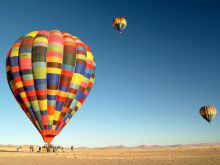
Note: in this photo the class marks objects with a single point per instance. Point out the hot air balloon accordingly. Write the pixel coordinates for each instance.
(50, 74)
(119, 23)
(208, 112)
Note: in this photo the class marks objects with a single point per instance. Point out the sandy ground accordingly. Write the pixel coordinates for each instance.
(181, 155)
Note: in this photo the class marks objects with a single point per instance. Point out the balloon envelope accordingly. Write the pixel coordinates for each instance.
(208, 112)
(119, 23)
(50, 74)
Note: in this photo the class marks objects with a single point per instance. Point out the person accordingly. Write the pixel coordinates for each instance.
(39, 149)
(72, 148)
(48, 149)
(54, 149)
(31, 149)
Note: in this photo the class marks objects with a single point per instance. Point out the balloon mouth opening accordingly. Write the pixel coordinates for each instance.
(48, 135)
(48, 138)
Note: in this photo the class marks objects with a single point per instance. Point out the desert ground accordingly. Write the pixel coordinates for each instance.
(142, 155)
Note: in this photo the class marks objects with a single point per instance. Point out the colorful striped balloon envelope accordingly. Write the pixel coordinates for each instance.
(50, 74)
(119, 23)
(208, 112)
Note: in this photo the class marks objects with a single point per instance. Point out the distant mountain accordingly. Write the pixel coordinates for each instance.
(123, 146)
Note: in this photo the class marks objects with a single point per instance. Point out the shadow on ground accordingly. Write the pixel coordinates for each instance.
(7, 151)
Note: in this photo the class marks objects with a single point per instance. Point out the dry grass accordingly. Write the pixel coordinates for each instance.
(181, 155)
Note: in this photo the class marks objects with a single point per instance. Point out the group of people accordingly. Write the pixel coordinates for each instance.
(48, 148)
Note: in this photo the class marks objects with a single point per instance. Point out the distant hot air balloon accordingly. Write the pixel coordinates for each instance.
(208, 112)
(119, 23)
(50, 75)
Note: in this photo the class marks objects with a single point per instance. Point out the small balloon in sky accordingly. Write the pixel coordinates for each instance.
(208, 112)
(119, 23)
(50, 74)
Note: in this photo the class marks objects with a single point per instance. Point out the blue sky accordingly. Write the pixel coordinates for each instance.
(151, 80)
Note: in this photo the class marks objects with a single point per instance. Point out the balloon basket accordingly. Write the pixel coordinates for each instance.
(49, 148)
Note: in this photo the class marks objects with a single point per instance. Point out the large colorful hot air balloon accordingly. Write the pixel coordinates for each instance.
(208, 112)
(50, 75)
(119, 23)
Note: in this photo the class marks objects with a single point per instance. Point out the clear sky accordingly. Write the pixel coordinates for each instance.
(151, 80)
